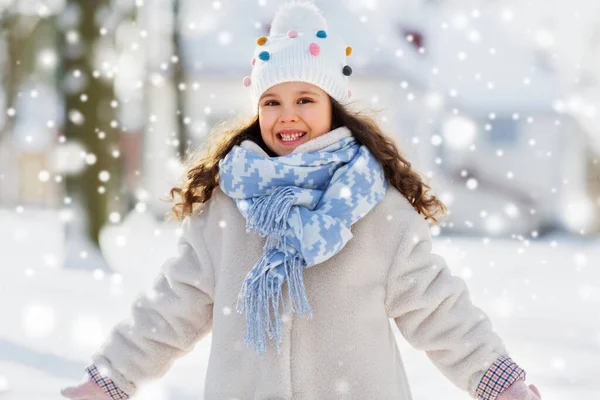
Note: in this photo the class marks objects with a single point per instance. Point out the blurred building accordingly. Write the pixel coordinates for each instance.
(512, 160)
(479, 119)
(471, 105)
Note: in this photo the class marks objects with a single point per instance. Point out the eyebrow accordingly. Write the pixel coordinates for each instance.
(298, 93)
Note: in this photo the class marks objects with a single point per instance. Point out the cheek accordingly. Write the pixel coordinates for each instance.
(265, 123)
(318, 119)
(264, 132)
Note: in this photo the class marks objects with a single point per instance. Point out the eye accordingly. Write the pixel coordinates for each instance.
(306, 100)
(270, 102)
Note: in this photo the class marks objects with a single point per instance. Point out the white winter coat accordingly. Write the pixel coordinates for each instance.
(346, 351)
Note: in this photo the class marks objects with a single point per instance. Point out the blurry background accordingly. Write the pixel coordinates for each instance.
(496, 102)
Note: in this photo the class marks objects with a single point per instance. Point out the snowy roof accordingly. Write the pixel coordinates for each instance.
(489, 68)
(223, 41)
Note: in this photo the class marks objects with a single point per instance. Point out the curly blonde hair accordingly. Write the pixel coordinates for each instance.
(203, 165)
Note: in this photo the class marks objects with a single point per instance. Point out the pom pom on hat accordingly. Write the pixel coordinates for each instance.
(300, 48)
(264, 55)
(302, 16)
(261, 40)
(314, 49)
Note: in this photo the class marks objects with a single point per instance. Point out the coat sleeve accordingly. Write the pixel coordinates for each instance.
(434, 313)
(165, 321)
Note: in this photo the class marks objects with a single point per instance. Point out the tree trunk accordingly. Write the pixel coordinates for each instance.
(11, 76)
(179, 78)
(23, 37)
(88, 116)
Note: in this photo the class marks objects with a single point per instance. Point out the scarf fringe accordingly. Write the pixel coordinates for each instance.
(269, 214)
(264, 293)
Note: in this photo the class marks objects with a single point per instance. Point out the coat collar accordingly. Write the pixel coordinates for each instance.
(316, 144)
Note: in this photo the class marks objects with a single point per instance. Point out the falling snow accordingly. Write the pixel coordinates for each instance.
(494, 105)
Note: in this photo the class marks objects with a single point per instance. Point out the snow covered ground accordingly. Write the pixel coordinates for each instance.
(543, 298)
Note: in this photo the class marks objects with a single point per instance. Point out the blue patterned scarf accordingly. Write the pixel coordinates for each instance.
(304, 203)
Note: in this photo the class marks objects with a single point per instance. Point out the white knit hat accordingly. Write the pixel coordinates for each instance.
(299, 48)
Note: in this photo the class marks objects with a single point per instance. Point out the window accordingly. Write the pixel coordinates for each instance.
(505, 130)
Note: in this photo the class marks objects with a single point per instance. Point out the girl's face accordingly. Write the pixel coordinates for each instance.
(293, 113)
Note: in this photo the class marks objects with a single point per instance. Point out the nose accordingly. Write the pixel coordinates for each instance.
(288, 114)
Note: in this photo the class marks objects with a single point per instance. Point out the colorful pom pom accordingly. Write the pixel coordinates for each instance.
(292, 33)
(247, 81)
(314, 49)
(264, 55)
(253, 61)
(348, 51)
(261, 40)
(347, 70)
(322, 34)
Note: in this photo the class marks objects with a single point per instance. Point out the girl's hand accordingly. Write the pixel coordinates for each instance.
(85, 391)
(520, 391)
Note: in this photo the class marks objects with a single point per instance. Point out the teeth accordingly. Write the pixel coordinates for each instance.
(288, 137)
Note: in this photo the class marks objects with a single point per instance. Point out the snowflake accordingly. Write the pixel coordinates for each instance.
(472, 183)
(104, 176)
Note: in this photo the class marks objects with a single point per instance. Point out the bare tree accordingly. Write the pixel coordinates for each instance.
(13, 41)
(87, 83)
(179, 79)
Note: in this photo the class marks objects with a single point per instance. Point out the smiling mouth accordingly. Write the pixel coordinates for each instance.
(294, 140)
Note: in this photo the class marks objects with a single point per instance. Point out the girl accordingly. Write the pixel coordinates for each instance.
(336, 218)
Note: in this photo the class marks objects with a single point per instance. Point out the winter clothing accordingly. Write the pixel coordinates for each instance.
(300, 48)
(304, 203)
(347, 350)
(95, 387)
(375, 264)
(501, 375)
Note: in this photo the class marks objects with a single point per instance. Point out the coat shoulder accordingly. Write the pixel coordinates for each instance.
(390, 218)
(212, 211)
(396, 211)
(395, 203)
